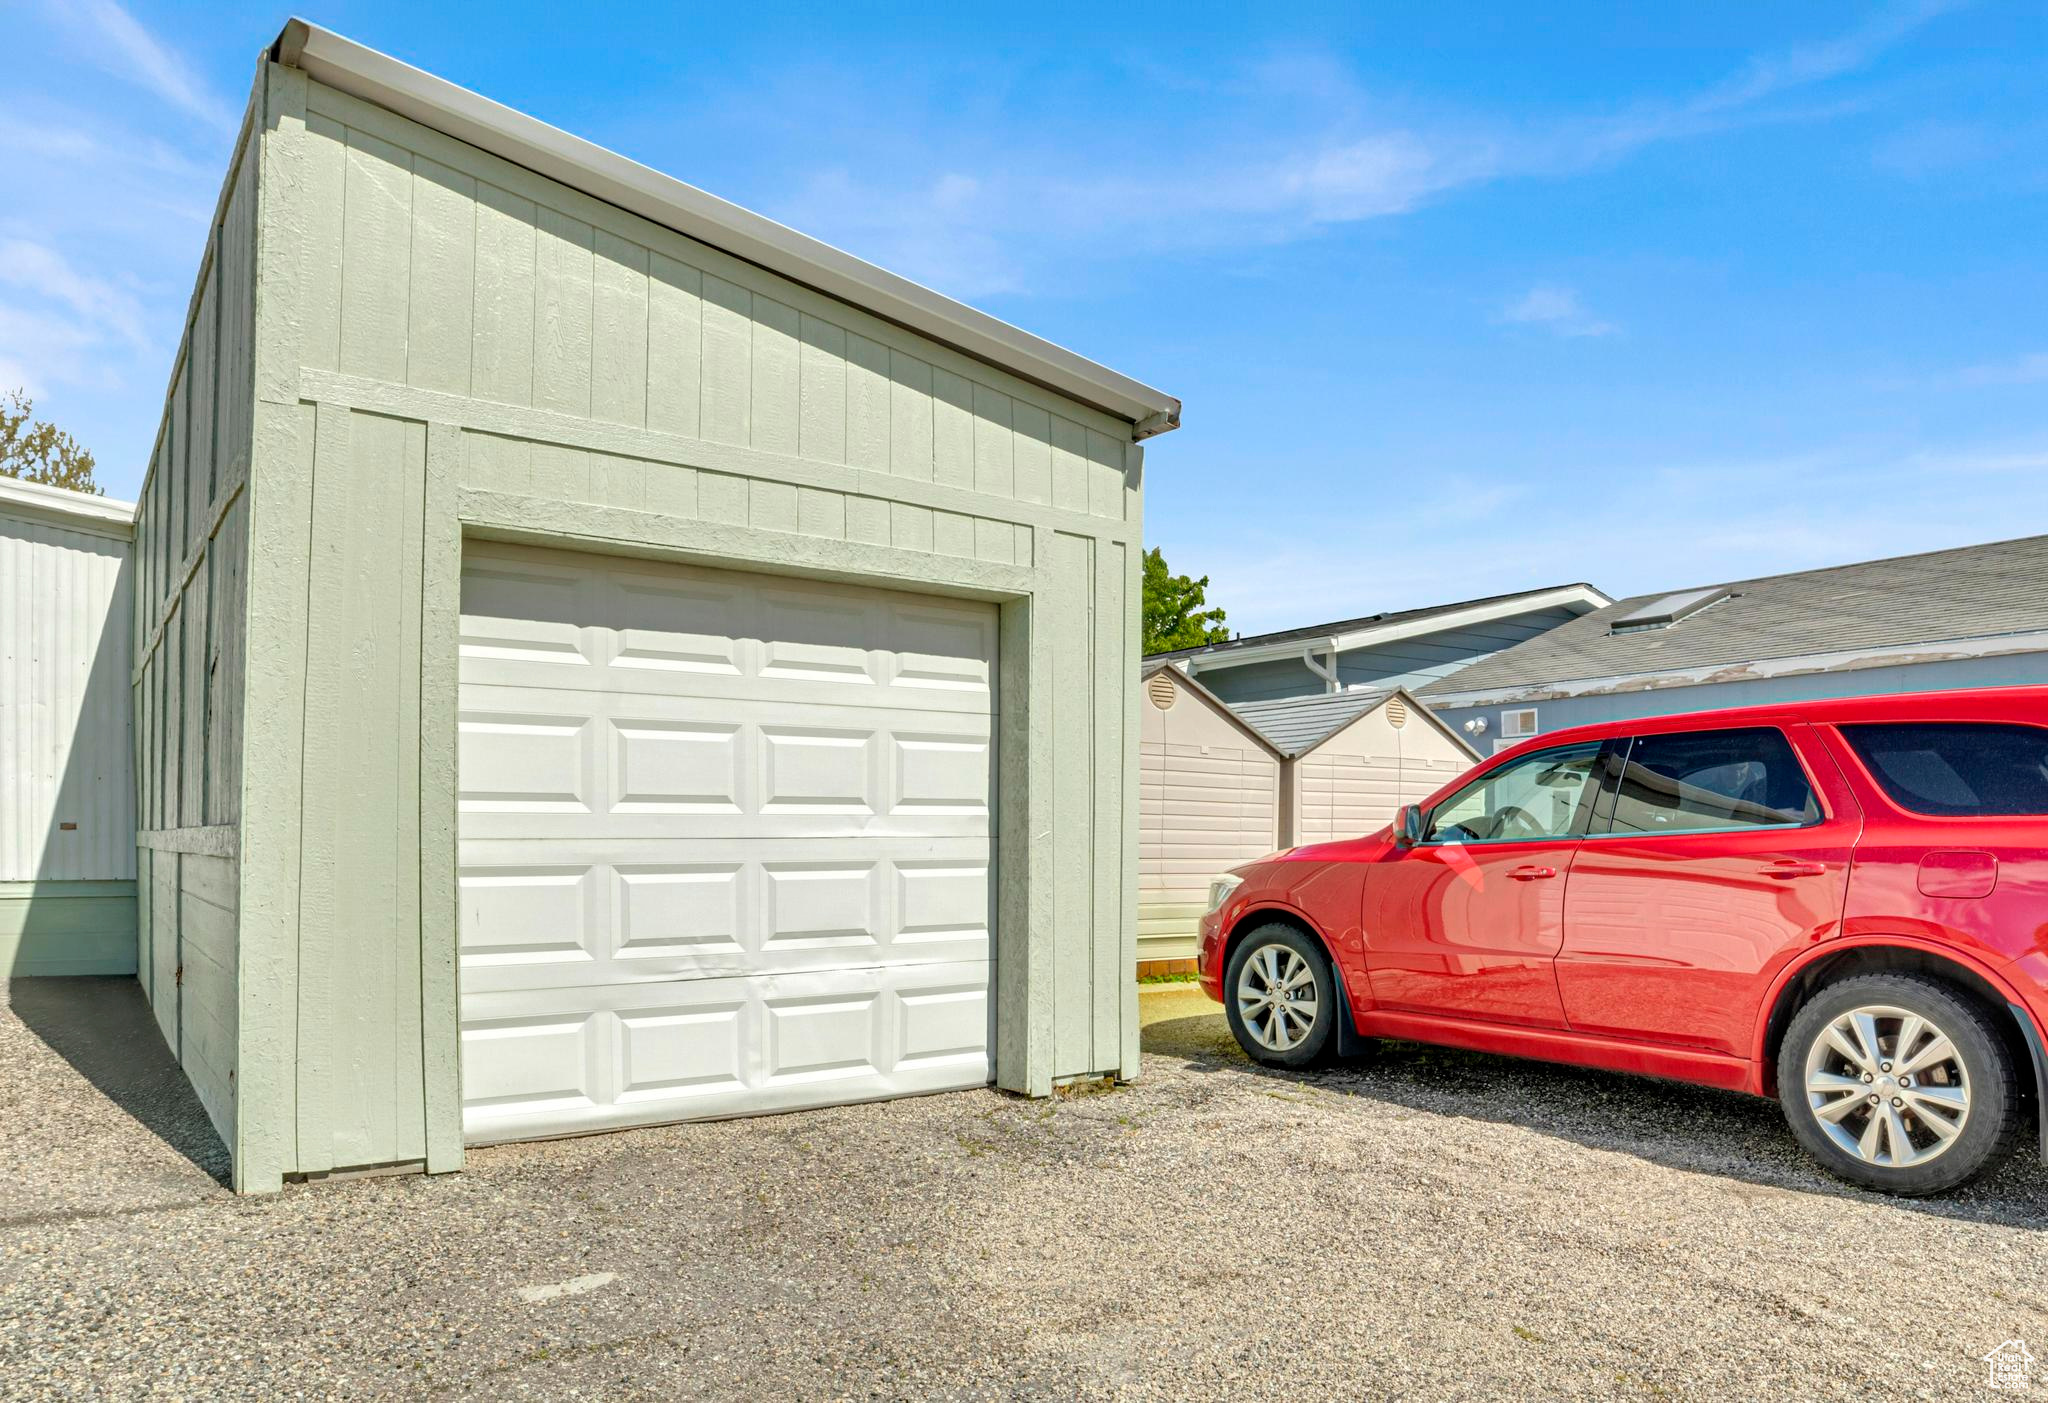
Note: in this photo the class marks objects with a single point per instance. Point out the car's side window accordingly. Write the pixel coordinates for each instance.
(1537, 796)
(1712, 782)
(1957, 769)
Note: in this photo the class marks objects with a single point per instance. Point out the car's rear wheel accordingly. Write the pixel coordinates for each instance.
(1281, 997)
(1899, 1083)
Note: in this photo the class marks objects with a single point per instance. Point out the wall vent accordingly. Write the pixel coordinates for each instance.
(1161, 690)
(1397, 713)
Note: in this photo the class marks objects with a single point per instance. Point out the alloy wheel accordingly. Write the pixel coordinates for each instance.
(1277, 998)
(1887, 1086)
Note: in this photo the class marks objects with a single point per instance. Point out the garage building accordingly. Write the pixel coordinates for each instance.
(603, 658)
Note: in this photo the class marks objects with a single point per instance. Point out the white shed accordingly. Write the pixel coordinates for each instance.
(67, 812)
(1353, 758)
(1209, 799)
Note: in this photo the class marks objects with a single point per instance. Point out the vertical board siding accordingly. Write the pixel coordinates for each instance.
(566, 307)
(1070, 615)
(443, 253)
(184, 688)
(208, 943)
(66, 749)
(358, 1050)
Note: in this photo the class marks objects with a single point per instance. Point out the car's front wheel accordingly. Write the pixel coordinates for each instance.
(1281, 997)
(1899, 1083)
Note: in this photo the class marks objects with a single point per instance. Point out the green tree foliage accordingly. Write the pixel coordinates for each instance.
(37, 452)
(1174, 616)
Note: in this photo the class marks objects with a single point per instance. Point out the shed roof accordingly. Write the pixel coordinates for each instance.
(1367, 625)
(80, 511)
(1296, 725)
(1972, 593)
(435, 102)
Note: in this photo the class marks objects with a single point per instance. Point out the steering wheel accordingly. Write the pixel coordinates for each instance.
(1514, 821)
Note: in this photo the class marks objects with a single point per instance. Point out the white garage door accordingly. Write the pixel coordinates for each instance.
(725, 842)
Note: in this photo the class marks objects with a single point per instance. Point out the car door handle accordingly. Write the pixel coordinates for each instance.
(1791, 867)
(1532, 874)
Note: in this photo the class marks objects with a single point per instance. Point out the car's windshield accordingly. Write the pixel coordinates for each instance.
(1536, 796)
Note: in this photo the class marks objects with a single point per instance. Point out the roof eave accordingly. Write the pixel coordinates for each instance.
(76, 511)
(1584, 597)
(491, 126)
(1712, 674)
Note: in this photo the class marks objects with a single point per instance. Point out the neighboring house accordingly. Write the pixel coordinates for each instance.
(67, 778)
(1411, 648)
(1223, 785)
(581, 625)
(1972, 617)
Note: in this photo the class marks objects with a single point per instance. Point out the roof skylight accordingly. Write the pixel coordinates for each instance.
(1663, 613)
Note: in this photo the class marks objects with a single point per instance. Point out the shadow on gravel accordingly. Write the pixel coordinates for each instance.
(1698, 1129)
(104, 1029)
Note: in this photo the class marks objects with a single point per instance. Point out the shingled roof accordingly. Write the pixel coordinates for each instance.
(1973, 594)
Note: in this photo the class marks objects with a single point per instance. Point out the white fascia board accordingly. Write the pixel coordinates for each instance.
(1762, 669)
(1580, 597)
(1293, 649)
(79, 511)
(437, 103)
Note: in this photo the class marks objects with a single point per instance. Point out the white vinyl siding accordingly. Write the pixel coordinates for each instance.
(67, 793)
(1208, 801)
(1351, 784)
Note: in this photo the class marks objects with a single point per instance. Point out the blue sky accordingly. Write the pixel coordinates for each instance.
(1459, 299)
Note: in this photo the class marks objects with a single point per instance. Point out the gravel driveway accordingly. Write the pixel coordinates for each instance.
(1427, 1225)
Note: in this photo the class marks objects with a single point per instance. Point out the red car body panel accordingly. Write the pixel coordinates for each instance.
(1666, 954)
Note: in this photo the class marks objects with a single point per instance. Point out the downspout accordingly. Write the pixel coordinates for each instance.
(1328, 674)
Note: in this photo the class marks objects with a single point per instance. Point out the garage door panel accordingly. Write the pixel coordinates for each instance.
(681, 1050)
(527, 1066)
(526, 762)
(674, 767)
(724, 842)
(623, 626)
(903, 695)
(609, 1056)
(655, 765)
(616, 922)
(529, 915)
(527, 609)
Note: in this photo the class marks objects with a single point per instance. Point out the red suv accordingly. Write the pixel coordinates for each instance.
(1843, 904)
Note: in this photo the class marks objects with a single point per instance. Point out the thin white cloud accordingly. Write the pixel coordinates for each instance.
(1557, 310)
(100, 308)
(992, 216)
(45, 350)
(132, 50)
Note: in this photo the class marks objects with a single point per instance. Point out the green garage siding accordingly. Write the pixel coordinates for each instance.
(448, 345)
(190, 557)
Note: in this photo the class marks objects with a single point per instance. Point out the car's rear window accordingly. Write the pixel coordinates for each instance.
(1957, 769)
